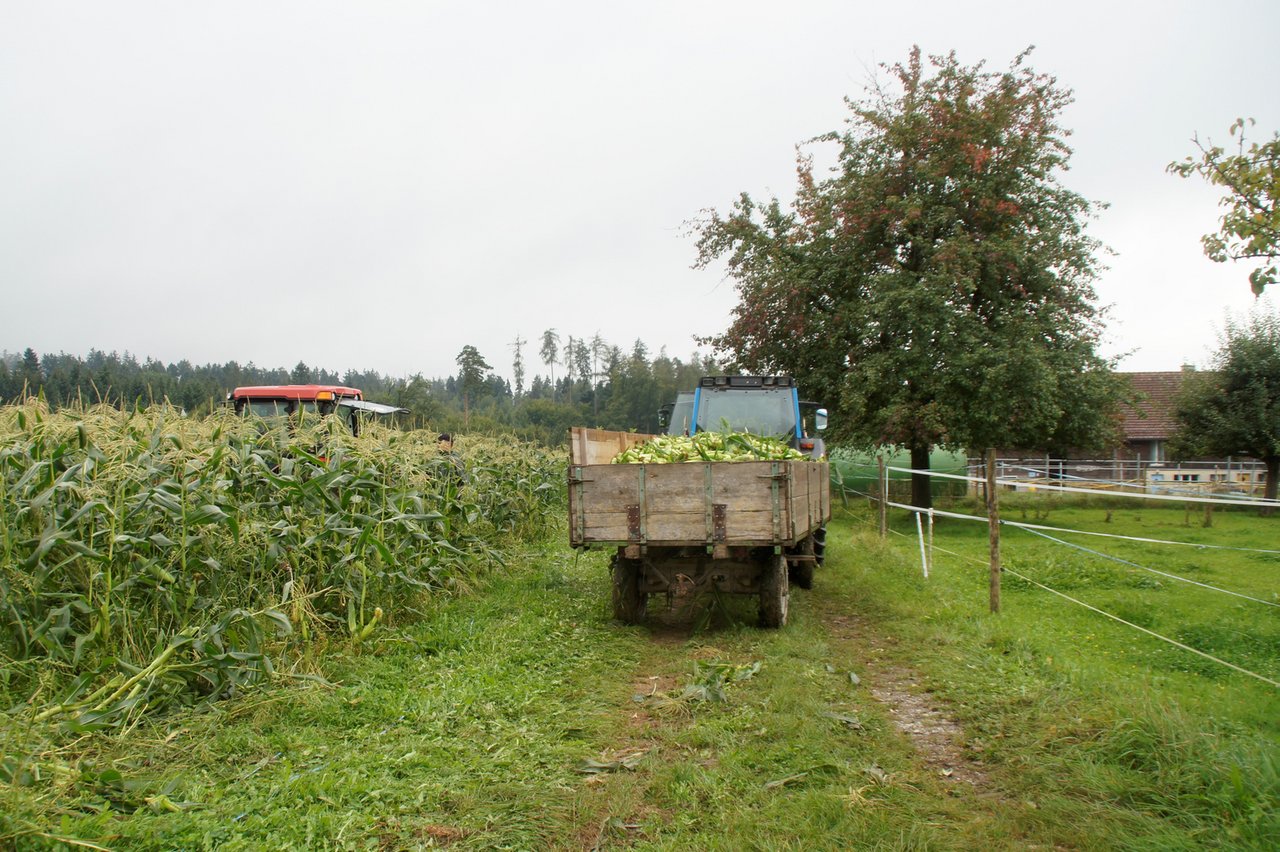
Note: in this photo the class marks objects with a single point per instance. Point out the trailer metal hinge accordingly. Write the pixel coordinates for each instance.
(633, 522)
(719, 512)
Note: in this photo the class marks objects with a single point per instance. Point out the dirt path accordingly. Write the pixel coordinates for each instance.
(634, 790)
(905, 693)
(907, 697)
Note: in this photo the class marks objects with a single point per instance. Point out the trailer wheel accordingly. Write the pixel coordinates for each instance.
(819, 545)
(628, 601)
(775, 592)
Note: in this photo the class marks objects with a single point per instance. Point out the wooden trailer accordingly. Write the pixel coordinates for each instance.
(745, 527)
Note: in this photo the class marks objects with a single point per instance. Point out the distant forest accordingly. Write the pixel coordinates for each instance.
(586, 382)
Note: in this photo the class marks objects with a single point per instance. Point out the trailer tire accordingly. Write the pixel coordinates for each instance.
(629, 603)
(775, 592)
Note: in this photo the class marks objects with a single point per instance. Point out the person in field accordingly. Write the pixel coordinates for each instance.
(455, 470)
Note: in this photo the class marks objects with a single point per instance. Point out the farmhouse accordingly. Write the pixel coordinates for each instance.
(1147, 426)
(1148, 423)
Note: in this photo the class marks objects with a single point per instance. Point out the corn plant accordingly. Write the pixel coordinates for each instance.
(147, 559)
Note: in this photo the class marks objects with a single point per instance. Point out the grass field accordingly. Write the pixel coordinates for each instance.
(894, 712)
(1223, 598)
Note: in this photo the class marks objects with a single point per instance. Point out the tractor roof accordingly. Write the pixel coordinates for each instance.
(302, 392)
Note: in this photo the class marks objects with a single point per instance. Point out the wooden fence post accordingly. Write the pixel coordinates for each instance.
(993, 518)
(882, 485)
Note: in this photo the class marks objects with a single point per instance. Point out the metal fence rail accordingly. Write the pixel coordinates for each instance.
(1230, 477)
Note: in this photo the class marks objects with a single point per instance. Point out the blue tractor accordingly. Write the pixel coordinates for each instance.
(761, 405)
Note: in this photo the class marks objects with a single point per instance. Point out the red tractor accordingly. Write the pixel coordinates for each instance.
(322, 400)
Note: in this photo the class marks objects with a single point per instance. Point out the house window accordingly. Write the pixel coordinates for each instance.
(1186, 477)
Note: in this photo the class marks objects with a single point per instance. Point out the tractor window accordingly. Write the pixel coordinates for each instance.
(681, 414)
(268, 407)
(760, 411)
(312, 406)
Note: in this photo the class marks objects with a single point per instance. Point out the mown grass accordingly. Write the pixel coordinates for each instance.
(442, 731)
(520, 716)
(504, 721)
(1180, 749)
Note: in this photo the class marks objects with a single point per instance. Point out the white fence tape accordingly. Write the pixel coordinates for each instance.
(1034, 527)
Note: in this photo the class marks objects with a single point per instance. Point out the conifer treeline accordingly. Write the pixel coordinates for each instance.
(586, 382)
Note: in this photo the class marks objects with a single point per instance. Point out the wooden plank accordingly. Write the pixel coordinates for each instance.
(609, 487)
(741, 527)
(674, 498)
(810, 501)
(682, 487)
(685, 529)
(599, 446)
(606, 526)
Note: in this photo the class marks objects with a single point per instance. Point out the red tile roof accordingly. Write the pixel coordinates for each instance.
(1151, 416)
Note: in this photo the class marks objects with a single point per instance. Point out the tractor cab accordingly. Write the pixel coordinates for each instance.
(292, 400)
(676, 418)
(761, 405)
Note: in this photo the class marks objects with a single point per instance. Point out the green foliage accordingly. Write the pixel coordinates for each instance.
(549, 351)
(472, 369)
(619, 392)
(148, 559)
(937, 288)
(1235, 409)
(1250, 227)
(517, 364)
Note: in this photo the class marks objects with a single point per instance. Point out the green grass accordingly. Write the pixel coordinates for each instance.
(470, 727)
(1242, 631)
(1090, 709)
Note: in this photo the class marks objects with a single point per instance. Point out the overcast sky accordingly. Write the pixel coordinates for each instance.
(375, 185)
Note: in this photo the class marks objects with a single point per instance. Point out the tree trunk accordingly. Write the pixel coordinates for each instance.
(921, 493)
(1269, 489)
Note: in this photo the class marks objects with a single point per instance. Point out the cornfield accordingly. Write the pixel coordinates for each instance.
(148, 560)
